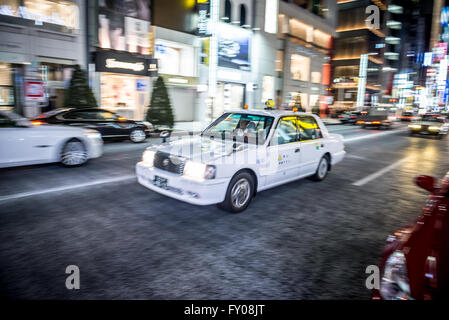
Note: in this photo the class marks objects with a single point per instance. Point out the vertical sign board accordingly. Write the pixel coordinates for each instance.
(203, 10)
(34, 91)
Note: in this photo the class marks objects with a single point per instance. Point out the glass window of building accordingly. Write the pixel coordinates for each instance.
(280, 60)
(300, 67)
(267, 88)
(59, 12)
(175, 58)
(227, 11)
(6, 86)
(316, 77)
(242, 15)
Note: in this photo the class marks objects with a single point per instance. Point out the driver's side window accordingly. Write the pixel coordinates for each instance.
(286, 131)
(6, 122)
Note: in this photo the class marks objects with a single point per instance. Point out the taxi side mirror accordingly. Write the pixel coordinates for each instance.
(426, 182)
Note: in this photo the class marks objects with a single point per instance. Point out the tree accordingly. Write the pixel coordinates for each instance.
(79, 94)
(160, 112)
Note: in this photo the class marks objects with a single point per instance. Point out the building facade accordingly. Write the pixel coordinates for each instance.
(41, 41)
(120, 52)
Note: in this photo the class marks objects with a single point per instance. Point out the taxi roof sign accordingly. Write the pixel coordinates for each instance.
(269, 103)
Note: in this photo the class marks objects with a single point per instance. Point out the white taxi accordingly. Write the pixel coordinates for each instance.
(241, 153)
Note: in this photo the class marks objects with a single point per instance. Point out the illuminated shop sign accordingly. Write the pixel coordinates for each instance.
(63, 13)
(115, 62)
(233, 47)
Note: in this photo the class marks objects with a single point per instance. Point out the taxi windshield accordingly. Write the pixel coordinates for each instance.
(246, 128)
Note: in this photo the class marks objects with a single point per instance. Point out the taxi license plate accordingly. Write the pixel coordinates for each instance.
(160, 182)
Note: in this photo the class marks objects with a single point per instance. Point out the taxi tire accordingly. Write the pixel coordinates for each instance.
(227, 204)
(316, 176)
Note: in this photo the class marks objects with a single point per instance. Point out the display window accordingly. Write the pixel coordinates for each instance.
(128, 95)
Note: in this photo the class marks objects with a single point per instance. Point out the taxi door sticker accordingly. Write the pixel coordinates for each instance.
(282, 159)
(317, 145)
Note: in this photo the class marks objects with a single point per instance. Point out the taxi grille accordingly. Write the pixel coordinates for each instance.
(170, 163)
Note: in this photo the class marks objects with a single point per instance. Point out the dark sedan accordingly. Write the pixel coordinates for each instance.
(109, 124)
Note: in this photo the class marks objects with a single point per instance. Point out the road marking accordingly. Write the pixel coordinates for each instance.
(66, 188)
(369, 136)
(353, 156)
(381, 172)
(343, 129)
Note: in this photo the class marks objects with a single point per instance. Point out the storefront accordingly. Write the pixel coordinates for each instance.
(124, 83)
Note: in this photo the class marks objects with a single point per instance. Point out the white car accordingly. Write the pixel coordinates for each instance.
(22, 143)
(239, 154)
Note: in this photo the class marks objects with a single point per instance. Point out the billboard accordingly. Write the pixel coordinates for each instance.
(124, 25)
(233, 47)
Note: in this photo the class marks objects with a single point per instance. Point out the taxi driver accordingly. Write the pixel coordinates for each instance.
(243, 127)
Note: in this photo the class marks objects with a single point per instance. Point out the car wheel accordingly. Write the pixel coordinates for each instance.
(322, 170)
(73, 153)
(239, 194)
(137, 135)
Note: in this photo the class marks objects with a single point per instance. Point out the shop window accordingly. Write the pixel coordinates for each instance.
(242, 15)
(228, 10)
(300, 67)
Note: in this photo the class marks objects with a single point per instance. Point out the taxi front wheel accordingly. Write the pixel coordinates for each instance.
(239, 194)
(322, 170)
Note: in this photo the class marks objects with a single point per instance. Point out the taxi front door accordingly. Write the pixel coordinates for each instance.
(284, 152)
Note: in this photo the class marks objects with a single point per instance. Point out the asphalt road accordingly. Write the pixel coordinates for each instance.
(302, 240)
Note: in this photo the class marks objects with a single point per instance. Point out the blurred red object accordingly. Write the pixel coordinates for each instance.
(415, 260)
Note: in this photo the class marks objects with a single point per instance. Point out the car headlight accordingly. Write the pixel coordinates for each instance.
(148, 157)
(434, 128)
(95, 135)
(395, 283)
(148, 124)
(414, 126)
(199, 170)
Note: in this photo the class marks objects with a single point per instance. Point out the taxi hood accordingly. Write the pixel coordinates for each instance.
(202, 149)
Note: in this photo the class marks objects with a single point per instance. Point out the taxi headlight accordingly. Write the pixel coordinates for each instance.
(199, 170)
(395, 283)
(434, 128)
(148, 157)
(414, 126)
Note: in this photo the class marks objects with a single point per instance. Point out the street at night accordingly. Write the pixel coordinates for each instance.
(302, 240)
